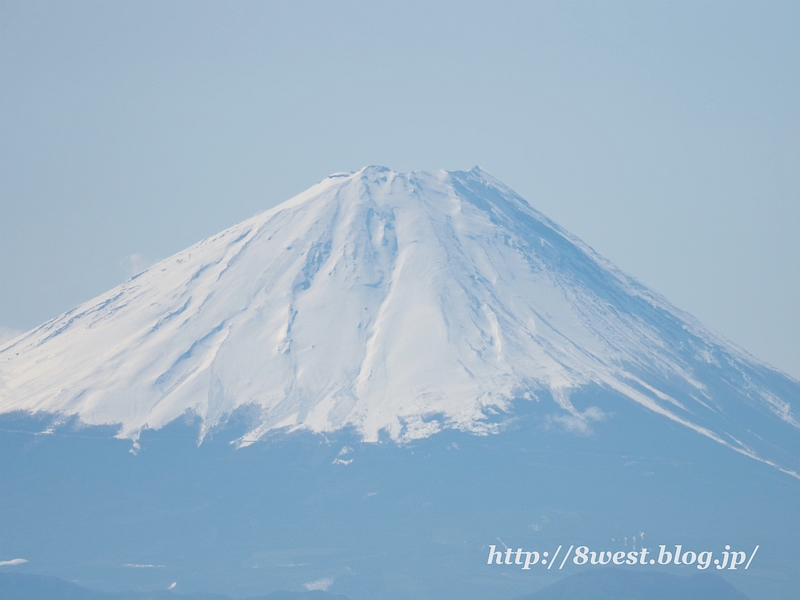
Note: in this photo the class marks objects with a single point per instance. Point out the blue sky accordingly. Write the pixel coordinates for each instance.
(665, 135)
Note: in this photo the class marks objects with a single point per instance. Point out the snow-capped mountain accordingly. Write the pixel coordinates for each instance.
(399, 304)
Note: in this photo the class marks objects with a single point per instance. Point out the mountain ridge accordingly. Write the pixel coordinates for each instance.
(618, 584)
(24, 586)
(400, 304)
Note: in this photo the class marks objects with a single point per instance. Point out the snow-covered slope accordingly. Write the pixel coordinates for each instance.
(400, 303)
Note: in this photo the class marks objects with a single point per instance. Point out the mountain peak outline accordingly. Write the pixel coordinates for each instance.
(399, 304)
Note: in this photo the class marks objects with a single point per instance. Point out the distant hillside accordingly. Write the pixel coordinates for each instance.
(19, 586)
(618, 584)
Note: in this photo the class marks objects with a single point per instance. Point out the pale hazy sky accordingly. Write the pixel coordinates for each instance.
(665, 135)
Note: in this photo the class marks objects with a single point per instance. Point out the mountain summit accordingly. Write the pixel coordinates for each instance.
(398, 304)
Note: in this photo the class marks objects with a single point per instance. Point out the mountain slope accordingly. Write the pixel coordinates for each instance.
(618, 584)
(20, 586)
(397, 304)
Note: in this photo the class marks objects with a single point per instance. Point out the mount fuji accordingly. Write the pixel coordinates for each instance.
(373, 326)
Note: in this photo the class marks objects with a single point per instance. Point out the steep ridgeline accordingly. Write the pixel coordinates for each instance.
(398, 304)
